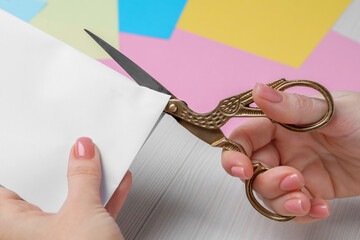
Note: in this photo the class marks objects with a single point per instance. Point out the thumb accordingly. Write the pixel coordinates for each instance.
(84, 173)
(288, 108)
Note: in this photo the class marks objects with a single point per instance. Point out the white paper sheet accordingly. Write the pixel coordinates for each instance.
(51, 94)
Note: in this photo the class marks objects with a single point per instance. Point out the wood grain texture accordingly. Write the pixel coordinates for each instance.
(153, 170)
(180, 191)
(349, 22)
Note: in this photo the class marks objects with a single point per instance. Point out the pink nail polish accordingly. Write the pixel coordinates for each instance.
(294, 206)
(84, 148)
(239, 172)
(269, 93)
(291, 182)
(319, 211)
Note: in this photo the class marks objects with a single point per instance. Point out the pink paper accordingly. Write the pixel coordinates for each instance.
(202, 71)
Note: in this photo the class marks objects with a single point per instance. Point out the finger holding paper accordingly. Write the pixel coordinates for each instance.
(82, 215)
(51, 94)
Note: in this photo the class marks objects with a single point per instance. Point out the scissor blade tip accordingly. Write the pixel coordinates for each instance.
(95, 37)
(88, 32)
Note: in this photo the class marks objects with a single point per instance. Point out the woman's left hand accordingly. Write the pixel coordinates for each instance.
(82, 216)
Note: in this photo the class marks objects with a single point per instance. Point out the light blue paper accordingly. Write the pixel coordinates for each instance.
(154, 18)
(23, 9)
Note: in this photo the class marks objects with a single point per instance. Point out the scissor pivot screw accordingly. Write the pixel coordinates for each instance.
(173, 108)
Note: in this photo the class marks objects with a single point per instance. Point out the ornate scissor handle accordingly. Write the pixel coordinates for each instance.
(239, 106)
(258, 168)
(283, 85)
(207, 126)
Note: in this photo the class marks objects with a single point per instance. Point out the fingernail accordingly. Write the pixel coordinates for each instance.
(127, 173)
(294, 206)
(239, 172)
(291, 182)
(84, 148)
(319, 211)
(269, 93)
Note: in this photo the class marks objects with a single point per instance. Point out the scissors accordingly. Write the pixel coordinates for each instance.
(206, 126)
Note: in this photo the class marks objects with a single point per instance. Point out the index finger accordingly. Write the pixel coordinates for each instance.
(254, 134)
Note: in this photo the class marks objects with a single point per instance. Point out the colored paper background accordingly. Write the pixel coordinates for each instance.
(349, 22)
(156, 18)
(282, 30)
(66, 19)
(202, 72)
(23, 9)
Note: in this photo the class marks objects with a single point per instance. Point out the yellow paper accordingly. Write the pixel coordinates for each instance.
(66, 19)
(282, 30)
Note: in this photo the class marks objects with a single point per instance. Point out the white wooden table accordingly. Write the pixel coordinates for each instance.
(180, 190)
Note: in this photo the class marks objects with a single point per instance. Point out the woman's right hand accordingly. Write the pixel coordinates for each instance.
(323, 164)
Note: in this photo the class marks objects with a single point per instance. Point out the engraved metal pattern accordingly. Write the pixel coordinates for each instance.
(207, 126)
(229, 145)
(238, 106)
(230, 105)
(212, 120)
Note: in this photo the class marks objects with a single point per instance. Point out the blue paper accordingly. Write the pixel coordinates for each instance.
(154, 18)
(23, 9)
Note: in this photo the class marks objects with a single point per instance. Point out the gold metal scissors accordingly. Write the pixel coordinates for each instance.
(206, 126)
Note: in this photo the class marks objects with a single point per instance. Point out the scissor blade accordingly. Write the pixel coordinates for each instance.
(136, 72)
